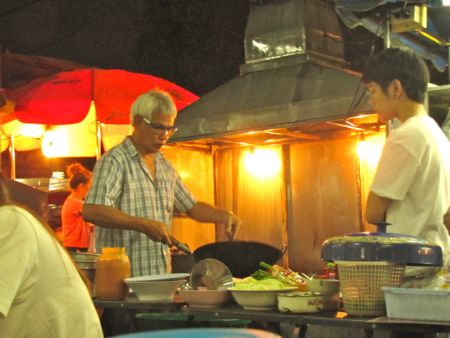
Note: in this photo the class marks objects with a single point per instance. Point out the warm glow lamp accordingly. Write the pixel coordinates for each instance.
(262, 162)
(26, 136)
(369, 149)
(16, 128)
(55, 143)
(72, 140)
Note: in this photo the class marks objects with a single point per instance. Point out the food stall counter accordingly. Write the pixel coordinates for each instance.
(132, 303)
(324, 318)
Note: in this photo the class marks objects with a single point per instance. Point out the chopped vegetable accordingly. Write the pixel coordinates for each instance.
(285, 276)
(250, 283)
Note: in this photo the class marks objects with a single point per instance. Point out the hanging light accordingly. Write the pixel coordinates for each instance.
(27, 136)
(55, 143)
(262, 162)
(16, 128)
(72, 140)
(369, 149)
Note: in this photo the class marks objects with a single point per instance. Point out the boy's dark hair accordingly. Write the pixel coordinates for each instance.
(403, 65)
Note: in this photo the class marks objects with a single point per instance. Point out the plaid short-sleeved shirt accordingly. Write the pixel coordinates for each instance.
(122, 180)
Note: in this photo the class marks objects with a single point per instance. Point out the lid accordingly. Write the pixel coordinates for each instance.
(113, 250)
(87, 265)
(382, 246)
(84, 257)
(211, 274)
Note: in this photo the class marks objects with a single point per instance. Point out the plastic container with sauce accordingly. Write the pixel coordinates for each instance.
(113, 266)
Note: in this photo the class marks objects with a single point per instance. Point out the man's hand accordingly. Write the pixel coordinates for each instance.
(232, 225)
(204, 212)
(110, 217)
(157, 231)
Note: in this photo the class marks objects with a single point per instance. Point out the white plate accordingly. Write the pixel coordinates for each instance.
(154, 278)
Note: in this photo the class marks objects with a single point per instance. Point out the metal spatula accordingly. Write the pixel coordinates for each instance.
(182, 246)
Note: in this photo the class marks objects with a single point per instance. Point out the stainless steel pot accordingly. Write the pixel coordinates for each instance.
(87, 263)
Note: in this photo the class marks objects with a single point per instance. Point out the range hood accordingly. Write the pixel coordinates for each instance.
(294, 77)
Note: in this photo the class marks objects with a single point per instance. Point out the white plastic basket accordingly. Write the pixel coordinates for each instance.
(361, 284)
(417, 304)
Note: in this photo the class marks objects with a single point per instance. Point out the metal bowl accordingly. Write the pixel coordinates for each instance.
(211, 274)
(87, 263)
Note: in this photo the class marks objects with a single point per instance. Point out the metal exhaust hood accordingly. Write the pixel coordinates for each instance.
(294, 74)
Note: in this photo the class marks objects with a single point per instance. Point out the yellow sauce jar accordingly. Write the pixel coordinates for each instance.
(113, 266)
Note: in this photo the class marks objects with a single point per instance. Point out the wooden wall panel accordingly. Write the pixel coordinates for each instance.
(196, 171)
(259, 202)
(369, 156)
(324, 198)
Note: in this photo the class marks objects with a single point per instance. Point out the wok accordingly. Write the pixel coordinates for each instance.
(241, 257)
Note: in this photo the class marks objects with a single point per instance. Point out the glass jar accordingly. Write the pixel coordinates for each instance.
(113, 266)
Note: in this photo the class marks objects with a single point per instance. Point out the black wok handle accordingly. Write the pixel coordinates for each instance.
(182, 246)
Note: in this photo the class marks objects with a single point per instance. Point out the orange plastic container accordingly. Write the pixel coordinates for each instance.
(113, 266)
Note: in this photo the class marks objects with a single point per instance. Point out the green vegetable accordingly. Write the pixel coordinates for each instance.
(250, 283)
(331, 265)
(286, 276)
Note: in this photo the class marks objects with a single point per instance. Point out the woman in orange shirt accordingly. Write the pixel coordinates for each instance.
(77, 232)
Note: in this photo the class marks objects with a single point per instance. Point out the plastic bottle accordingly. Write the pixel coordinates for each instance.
(113, 266)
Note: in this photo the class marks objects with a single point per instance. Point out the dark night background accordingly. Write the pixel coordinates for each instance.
(197, 44)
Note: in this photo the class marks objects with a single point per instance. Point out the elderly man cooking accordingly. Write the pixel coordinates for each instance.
(135, 190)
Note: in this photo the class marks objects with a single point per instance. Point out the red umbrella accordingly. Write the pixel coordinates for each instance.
(65, 98)
(18, 69)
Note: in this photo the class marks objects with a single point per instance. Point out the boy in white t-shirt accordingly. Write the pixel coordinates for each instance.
(411, 188)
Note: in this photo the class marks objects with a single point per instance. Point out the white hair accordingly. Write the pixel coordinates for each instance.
(153, 101)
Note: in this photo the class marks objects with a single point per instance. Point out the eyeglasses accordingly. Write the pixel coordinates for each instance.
(369, 92)
(160, 128)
